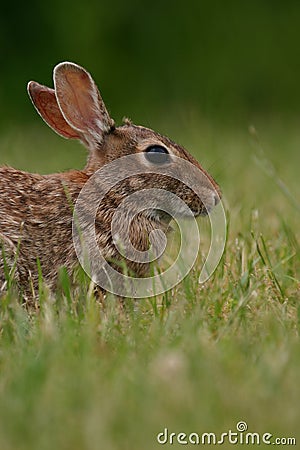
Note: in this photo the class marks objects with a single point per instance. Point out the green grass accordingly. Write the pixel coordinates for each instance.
(77, 374)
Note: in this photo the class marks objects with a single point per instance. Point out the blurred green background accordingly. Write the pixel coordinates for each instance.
(223, 60)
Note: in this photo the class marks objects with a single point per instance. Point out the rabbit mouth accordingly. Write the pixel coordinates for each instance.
(159, 215)
(164, 217)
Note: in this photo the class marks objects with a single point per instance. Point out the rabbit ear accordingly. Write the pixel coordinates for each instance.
(44, 100)
(80, 102)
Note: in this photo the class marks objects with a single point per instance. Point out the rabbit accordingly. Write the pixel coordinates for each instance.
(35, 210)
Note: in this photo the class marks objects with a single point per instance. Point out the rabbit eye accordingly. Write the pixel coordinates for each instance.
(157, 154)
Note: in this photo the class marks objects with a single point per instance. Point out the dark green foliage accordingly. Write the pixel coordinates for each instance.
(218, 58)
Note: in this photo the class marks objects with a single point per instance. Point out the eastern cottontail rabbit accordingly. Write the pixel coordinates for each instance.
(36, 211)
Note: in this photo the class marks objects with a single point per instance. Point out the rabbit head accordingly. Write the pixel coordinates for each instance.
(74, 109)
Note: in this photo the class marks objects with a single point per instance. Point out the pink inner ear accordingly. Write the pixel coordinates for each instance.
(76, 100)
(80, 101)
(45, 102)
